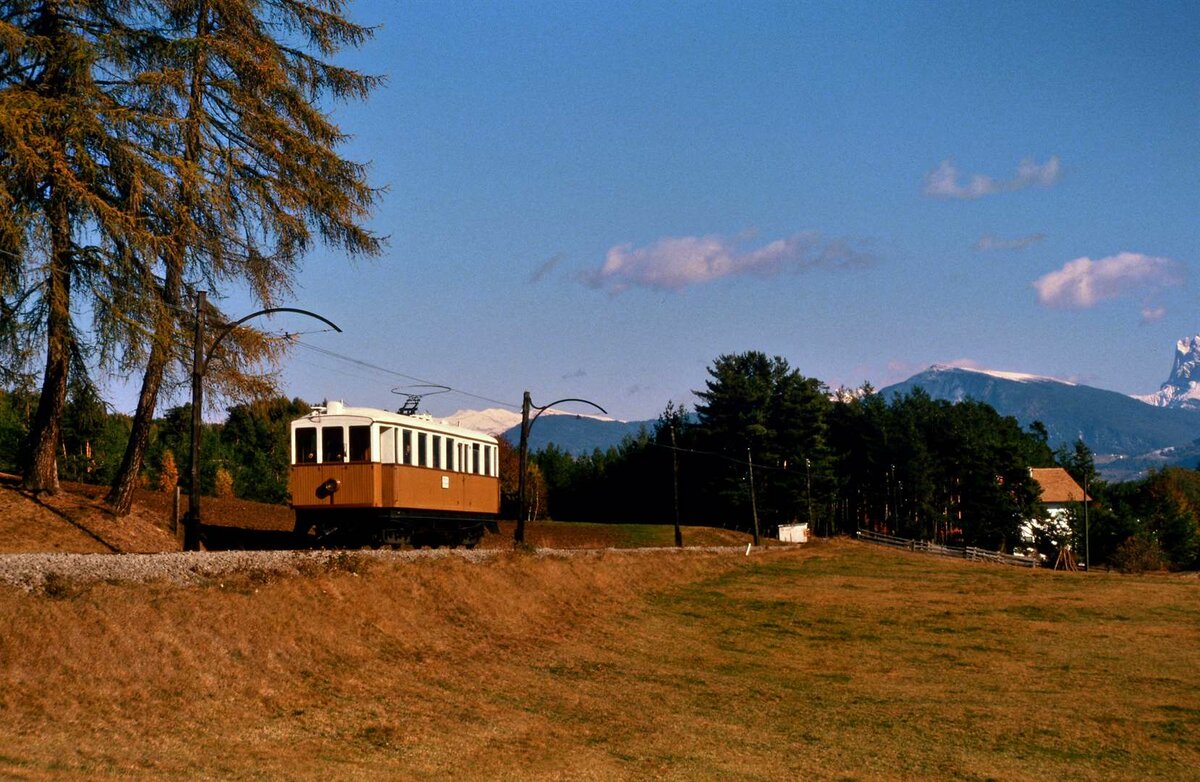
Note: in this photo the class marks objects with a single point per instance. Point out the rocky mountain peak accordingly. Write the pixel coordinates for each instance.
(1182, 388)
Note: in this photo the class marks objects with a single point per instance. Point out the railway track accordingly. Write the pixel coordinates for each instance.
(61, 573)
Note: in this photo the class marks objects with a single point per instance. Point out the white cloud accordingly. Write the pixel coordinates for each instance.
(989, 242)
(1083, 283)
(1152, 313)
(673, 263)
(942, 182)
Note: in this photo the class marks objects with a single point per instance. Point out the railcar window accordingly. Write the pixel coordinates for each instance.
(305, 445)
(450, 453)
(423, 449)
(437, 451)
(408, 454)
(475, 463)
(387, 444)
(333, 444)
(360, 443)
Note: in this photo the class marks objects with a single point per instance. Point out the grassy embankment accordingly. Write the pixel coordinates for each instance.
(835, 661)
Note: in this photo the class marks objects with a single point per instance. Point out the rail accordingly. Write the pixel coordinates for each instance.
(952, 552)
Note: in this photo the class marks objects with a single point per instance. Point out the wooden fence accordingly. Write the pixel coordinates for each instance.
(954, 552)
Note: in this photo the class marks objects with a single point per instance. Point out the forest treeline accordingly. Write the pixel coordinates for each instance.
(910, 466)
(245, 456)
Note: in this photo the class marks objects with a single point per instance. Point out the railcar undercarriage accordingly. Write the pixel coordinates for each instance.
(398, 528)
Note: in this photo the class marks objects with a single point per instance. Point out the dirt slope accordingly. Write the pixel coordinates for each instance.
(77, 521)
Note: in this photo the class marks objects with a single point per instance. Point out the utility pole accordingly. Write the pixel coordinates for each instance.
(200, 359)
(808, 490)
(753, 504)
(519, 536)
(1087, 535)
(191, 525)
(675, 472)
(526, 425)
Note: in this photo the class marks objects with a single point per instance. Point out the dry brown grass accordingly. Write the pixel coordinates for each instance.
(835, 661)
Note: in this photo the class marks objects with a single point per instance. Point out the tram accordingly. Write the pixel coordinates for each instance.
(364, 476)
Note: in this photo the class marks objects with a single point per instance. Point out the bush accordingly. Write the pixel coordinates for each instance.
(168, 473)
(223, 485)
(1138, 554)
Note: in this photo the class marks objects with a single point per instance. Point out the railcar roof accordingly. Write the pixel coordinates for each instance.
(375, 415)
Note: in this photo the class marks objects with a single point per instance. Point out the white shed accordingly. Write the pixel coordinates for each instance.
(793, 533)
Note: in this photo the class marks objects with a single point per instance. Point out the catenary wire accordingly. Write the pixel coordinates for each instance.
(413, 378)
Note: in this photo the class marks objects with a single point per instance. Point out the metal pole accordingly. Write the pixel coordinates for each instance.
(1087, 536)
(808, 491)
(675, 471)
(191, 526)
(753, 504)
(527, 424)
(519, 536)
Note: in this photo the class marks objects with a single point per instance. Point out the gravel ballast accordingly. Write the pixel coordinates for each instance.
(30, 572)
(35, 572)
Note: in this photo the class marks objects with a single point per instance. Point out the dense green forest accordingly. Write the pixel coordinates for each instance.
(248, 451)
(764, 442)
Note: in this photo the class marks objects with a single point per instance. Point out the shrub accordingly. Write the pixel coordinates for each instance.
(1138, 554)
(168, 473)
(223, 485)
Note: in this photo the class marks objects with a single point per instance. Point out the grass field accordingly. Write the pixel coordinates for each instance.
(833, 661)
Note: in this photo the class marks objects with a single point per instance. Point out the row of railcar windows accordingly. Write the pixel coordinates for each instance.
(397, 445)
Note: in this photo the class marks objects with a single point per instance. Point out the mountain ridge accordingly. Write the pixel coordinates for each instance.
(1127, 435)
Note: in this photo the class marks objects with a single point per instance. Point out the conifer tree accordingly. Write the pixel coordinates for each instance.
(256, 161)
(71, 177)
(145, 143)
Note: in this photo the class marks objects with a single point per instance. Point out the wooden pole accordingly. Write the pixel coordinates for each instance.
(675, 471)
(753, 504)
(191, 525)
(519, 536)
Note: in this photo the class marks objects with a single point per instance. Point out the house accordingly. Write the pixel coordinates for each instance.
(1059, 489)
(1059, 494)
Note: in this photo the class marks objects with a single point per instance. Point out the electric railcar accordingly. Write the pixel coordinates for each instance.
(362, 476)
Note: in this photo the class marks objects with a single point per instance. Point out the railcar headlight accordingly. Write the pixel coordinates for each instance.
(328, 488)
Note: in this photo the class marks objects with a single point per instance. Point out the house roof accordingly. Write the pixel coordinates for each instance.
(1057, 485)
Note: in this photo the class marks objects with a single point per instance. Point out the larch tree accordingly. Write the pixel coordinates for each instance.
(72, 179)
(257, 165)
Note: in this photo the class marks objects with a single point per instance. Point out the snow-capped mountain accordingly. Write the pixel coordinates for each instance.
(494, 420)
(574, 433)
(1182, 388)
(1016, 377)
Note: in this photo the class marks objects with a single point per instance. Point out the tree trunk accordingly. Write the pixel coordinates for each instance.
(120, 496)
(41, 467)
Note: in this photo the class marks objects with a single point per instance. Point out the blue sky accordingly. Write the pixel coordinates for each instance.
(598, 199)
